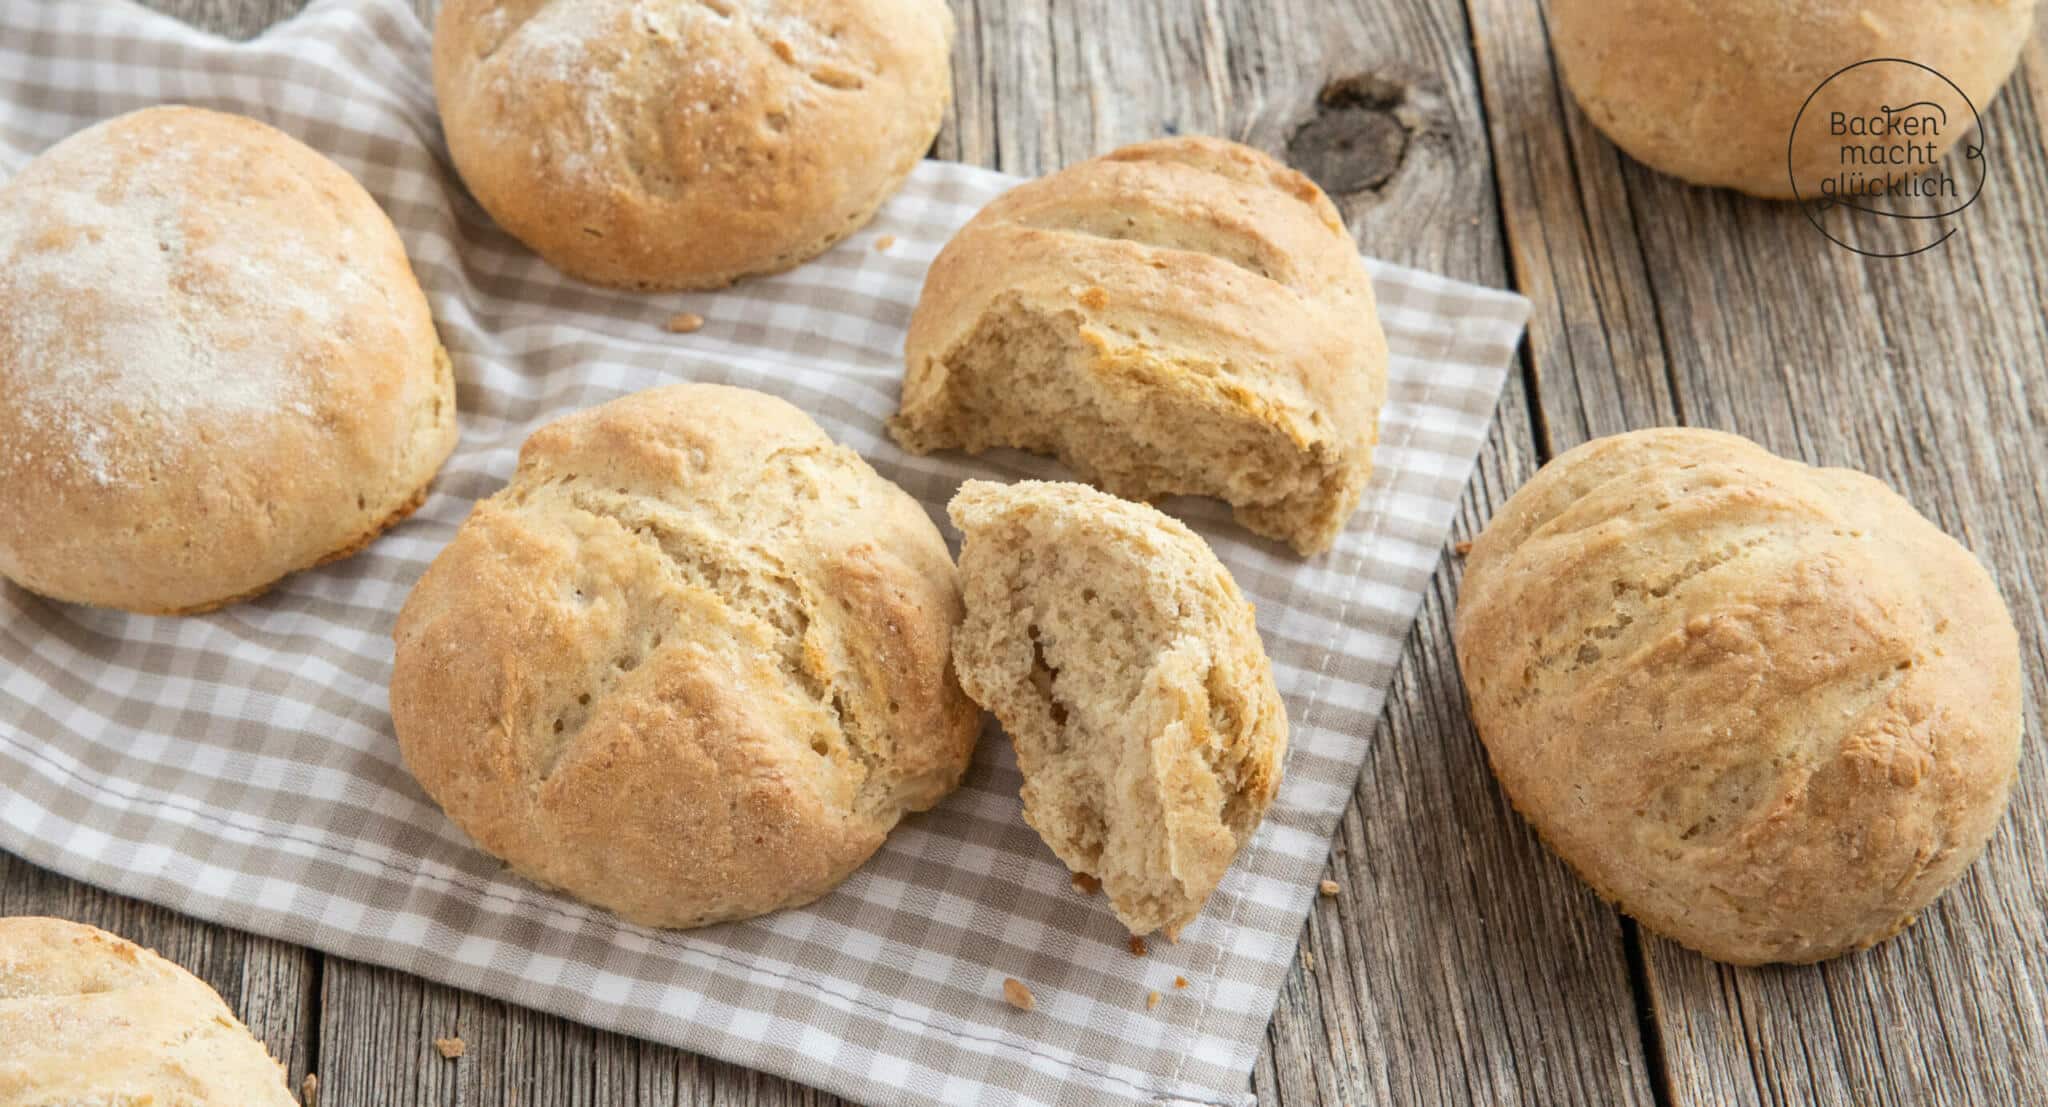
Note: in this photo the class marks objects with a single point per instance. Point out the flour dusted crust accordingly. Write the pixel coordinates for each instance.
(692, 664)
(88, 1018)
(1180, 316)
(1709, 92)
(216, 366)
(669, 144)
(1128, 671)
(1769, 709)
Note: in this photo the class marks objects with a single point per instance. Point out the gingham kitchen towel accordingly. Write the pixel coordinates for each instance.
(240, 767)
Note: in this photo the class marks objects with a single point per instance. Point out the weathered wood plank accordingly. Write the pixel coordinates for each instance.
(1929, 373)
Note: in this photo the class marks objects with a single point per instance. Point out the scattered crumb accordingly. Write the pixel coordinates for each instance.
(1094, 297)
(884, 242)
(309, 1090)
(1462, 548)
(685, 322)
(451, 1048)
(1151, 1001)
(1017, 995)
(1331, 887)
(1180, 981)
(1086, 885)
(1308, 960)
(1137, 946)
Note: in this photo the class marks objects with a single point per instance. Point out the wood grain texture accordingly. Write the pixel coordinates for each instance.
(1660, 303)
(1461, 962)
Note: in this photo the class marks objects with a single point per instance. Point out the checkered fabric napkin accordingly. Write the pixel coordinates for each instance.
(240, 767)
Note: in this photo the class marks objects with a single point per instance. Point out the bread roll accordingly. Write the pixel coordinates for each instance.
(1710, 92)
(216, 367)
(1181, 316)
(690, 665)
(88, 1018)
(1128, 671)
(687, 145)
(1768, 709)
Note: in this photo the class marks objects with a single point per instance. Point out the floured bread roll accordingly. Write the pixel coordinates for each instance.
(692, 664)
(88, 1018)
(687, 144)
(216, 367)
(1769, 709)
(1128, 671)
(1181, 316)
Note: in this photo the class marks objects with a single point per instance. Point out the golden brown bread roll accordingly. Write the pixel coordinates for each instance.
(692, 664)
(1710, 92)
(1768, 709)
(687, 145)
(1180, 316)
(1128, 671)
(89, 1018)
(216, 367)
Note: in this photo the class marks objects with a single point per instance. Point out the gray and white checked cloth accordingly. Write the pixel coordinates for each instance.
(240, 767)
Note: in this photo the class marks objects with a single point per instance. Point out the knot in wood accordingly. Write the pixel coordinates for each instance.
(1357, 137)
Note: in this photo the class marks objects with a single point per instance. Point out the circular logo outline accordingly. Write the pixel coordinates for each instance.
(1972, 151)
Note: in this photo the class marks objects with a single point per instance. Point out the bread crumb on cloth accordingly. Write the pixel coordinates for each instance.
(1017, 995)
(685, 322)
(883, 243)
(1151, 1001)
(1138, 946)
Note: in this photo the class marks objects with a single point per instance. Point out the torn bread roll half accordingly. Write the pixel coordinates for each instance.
(1187, 316)
(1126, 667)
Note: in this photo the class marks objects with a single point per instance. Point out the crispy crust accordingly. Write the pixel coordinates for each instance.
(1709, 92)
(122, 482)
(1770, 710)
(354, 547)
(87, 1017)
(779, 131)
(691, 665)
(1180, 316)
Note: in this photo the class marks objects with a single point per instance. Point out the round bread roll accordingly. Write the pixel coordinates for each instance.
(687, 145)
(1128, 671)
(1710, 92)
(691, 665)
(88, 1018)
(1768, 709)
(216, 367)
(1181, 316)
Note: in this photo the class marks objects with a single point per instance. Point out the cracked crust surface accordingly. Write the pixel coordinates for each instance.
(685, 144)
(692, 664)
(1181, 316)
(1769, 709)
(1128, 671)
(89, 1018)
(216, 366)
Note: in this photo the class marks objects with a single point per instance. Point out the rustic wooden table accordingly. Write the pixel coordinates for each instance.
(1462, 963)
